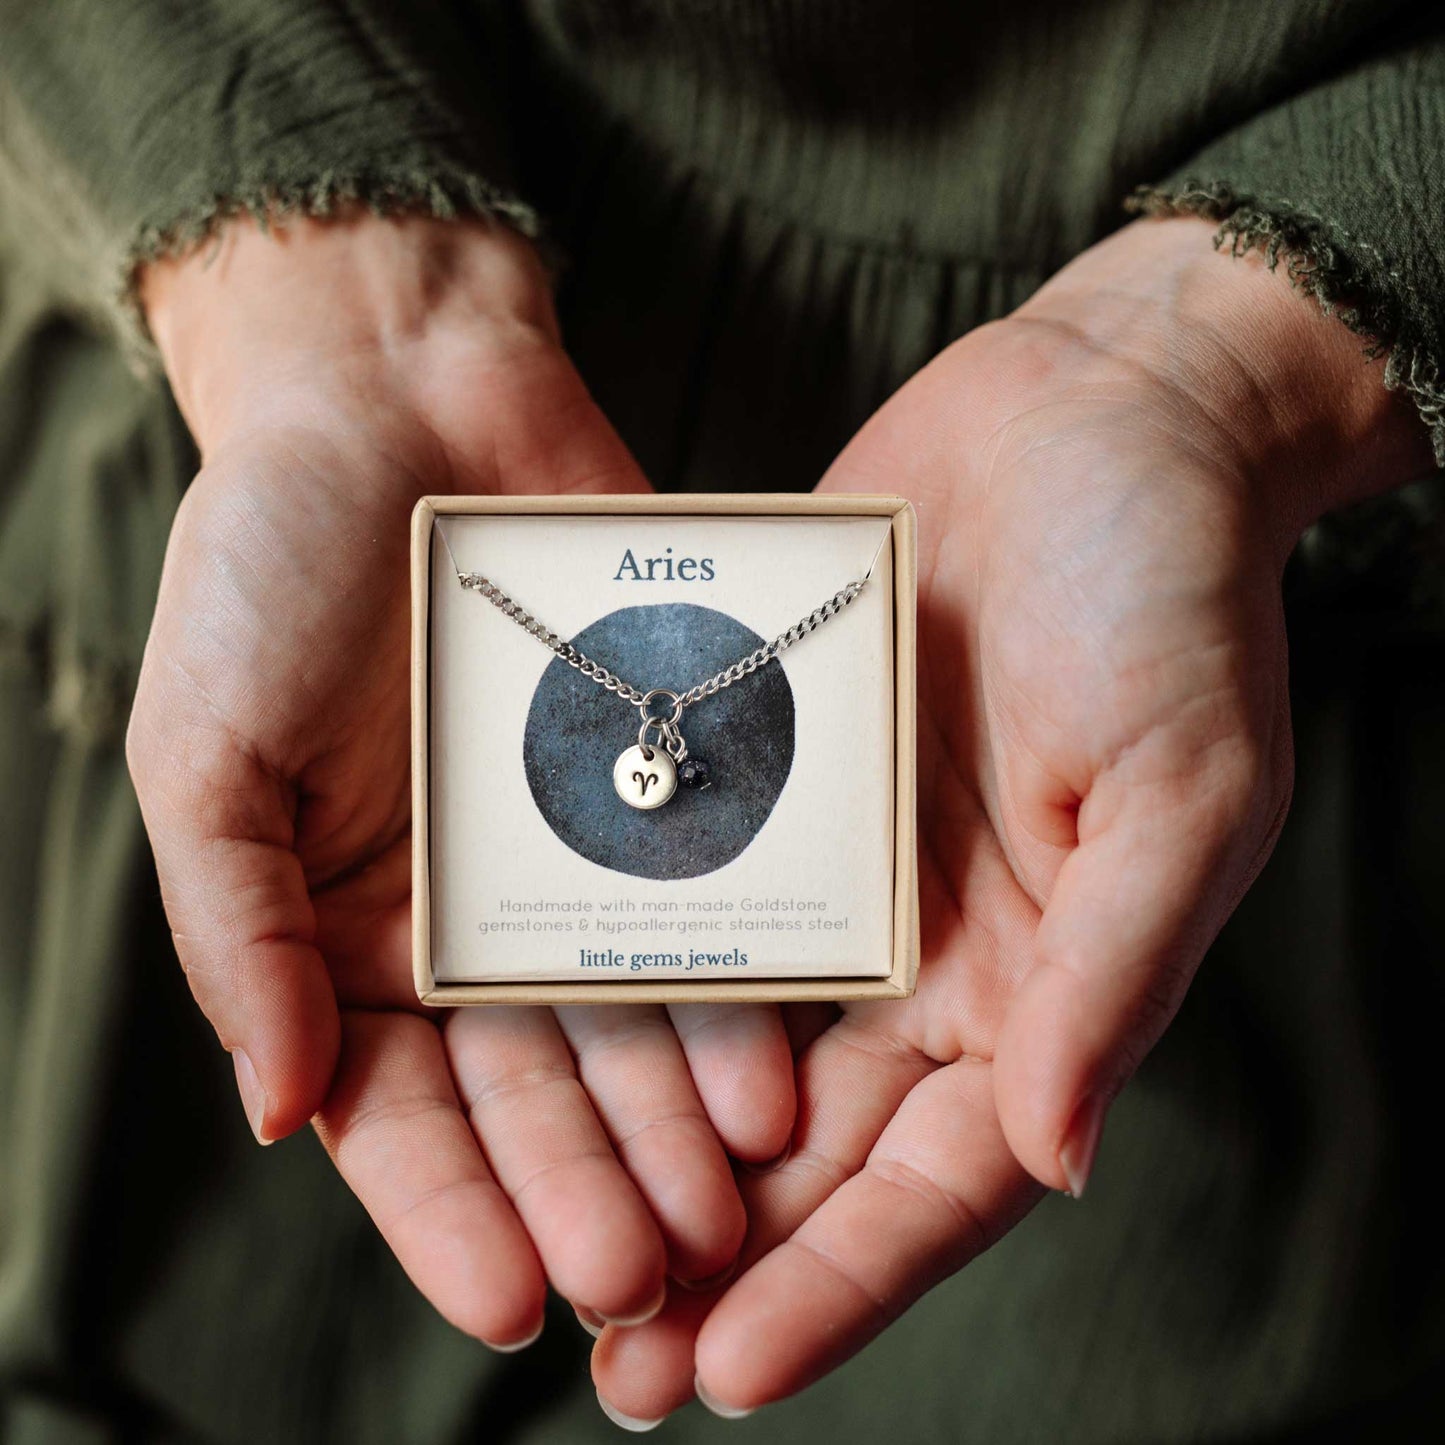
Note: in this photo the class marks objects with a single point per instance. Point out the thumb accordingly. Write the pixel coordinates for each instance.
(1159, 866)
(240, 911)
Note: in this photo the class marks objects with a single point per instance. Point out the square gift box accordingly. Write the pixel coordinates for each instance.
(621, 790)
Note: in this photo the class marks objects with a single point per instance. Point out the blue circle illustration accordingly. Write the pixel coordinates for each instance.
(576, 729)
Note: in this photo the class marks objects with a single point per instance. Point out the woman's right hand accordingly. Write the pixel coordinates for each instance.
(332, 373)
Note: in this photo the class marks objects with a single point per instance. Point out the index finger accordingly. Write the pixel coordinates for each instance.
(240, 912)
(940, 1187)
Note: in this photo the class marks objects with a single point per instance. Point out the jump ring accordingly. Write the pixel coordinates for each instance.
(661, 692)
(648, 723)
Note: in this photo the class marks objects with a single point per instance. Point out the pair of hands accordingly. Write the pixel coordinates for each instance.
(1108, 483)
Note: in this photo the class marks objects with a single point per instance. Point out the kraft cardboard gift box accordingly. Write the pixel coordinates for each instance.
(475, 673)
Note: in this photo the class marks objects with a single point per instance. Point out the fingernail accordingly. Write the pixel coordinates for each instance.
(642, 1317)
(516, 1345)
(253, 1097)
(594, 1324)
(768, 1165)
(711, 1402)
(1076, 1158)
(701, 1286)
(628, 1422)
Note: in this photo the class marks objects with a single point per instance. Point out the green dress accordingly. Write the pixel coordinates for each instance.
(767, 215)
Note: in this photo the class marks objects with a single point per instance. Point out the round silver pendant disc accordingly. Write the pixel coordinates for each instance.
(644, 781)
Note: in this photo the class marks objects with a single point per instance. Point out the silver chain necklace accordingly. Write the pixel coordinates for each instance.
(646, 775)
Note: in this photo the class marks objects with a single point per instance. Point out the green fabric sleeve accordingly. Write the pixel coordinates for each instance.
(130, 128)
(1345, 183)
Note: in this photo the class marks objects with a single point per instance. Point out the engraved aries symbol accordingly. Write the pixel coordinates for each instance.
(643, 782)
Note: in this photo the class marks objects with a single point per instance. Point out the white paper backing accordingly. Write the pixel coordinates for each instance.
(829, 839)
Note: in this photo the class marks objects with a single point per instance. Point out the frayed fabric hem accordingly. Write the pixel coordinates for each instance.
(1317, 263)
(440, 192)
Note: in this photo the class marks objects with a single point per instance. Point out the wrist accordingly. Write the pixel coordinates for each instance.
(1282, 392)
(248, 324)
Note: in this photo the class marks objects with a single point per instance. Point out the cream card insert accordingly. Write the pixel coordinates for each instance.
(783, 867)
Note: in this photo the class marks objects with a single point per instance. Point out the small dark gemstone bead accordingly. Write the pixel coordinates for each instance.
(694, 773)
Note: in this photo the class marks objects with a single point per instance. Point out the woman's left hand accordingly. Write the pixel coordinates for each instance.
(1109, 483)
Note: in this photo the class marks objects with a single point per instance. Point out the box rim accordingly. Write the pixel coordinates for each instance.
(901, 979)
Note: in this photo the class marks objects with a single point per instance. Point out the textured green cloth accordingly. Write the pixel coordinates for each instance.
(771, 213)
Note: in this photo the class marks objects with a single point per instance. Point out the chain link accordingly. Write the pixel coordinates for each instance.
(734, 672)
(746, 666)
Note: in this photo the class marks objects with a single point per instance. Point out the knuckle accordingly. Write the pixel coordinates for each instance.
(1159, 999)
(1064, 950)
